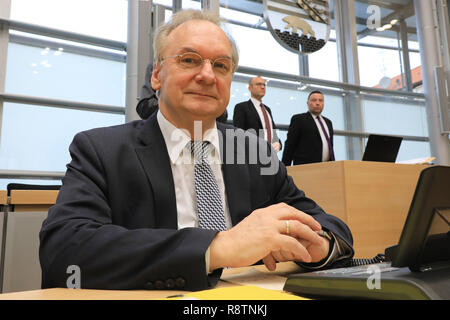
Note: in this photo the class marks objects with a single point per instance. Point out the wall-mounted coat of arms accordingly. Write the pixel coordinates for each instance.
(301, 26)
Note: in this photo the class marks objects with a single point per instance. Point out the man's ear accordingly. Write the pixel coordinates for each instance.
(155, 80)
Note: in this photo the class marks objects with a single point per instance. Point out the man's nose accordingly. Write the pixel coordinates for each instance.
(206, 72)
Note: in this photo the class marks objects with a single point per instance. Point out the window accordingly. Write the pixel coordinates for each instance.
(37, 137)
(100, 18)
(56, 73)
(399, 118)
(324, 64)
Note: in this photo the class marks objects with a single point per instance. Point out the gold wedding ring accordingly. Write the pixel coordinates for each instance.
(287, 226)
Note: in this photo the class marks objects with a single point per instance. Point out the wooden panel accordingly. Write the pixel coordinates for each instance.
(33, 196)
(378, 199)
(323, 183)
(31, 207)
(373, 198)
(3, 196)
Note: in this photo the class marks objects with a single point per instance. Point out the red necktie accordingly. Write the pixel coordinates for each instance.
(267, 122)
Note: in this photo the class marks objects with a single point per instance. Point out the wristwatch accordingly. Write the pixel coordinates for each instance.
(324, 234)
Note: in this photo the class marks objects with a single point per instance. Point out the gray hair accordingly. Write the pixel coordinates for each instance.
(183, 16)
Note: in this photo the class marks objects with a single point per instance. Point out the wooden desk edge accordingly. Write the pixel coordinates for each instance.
(33, 196)
(283, 269)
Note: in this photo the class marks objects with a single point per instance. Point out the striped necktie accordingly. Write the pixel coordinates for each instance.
(209, 203)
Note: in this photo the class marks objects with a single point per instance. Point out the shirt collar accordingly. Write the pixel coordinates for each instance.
(314, 116)
(256, 102)
(176, 140)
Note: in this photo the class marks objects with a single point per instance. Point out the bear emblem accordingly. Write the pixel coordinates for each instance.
(296, 23)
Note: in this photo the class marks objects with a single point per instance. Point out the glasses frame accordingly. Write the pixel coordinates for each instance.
(232, 68)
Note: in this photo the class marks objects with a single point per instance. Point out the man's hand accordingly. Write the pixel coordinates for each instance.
(276, 146)
(263, 235)
(317, 251)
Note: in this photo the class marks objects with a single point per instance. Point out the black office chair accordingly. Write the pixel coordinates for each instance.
(23, 186)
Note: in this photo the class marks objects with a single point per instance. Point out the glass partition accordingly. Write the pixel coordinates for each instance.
(38, 138)
(99, 18)
(54, 73)
(394, 117)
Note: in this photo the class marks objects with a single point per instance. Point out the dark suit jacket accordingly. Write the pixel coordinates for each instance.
(303, 143)
(246, 117)
(116, 218)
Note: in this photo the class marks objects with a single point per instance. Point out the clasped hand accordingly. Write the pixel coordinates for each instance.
(264, 235)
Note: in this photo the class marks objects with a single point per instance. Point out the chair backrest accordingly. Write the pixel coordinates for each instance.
(23, 186)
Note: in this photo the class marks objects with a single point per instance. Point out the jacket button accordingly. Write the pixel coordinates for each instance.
(180, 282)
(149, 286)
(170, 284)
(159, 284)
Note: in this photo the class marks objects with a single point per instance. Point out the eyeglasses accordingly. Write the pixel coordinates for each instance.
(190, 60)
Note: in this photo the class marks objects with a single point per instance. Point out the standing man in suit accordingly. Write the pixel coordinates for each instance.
(148, 102)
(160, 204)
(255, 115)
(310, 135)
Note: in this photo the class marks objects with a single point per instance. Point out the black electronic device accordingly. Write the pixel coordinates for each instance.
(417, 268)
(382, 148)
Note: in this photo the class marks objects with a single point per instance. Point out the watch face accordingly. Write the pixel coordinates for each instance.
(301, 26)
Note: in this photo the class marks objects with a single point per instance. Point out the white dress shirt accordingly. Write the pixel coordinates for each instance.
(325, 149)
(182, 164)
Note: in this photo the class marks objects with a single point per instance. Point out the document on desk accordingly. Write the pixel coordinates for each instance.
(254, 277)
(236, 293)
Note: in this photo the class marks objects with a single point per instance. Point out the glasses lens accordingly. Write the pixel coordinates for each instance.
(222, 65)
(190, 60)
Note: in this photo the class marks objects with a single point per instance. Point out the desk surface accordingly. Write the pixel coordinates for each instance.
(278, 277)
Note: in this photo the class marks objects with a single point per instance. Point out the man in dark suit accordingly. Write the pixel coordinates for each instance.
(256, 116)
(136, 211)
(310, 135)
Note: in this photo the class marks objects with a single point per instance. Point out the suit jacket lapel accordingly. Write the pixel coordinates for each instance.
(314, 126)
(156, 163)
(254, 114)
(236, 176)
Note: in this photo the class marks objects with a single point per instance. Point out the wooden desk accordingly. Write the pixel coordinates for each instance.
(373, 198)
(86, 294)
(33, 200)
(3, 197)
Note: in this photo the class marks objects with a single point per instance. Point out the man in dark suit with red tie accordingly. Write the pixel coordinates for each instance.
(310, 135)
(254, 115)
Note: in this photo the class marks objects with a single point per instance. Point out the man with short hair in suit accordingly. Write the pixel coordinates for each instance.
(160, 204)
(310, 135)
(255, 115)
